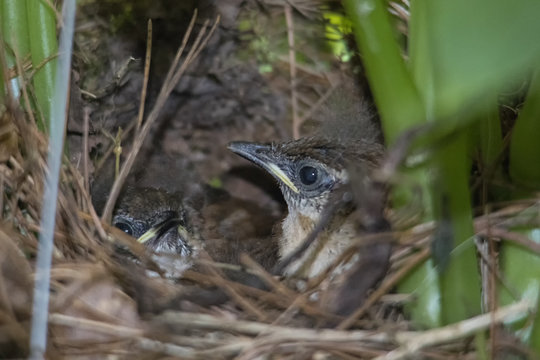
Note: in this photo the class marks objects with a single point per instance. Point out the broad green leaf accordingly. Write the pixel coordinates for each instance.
(525, 147)
(520, 268)
(461, 48)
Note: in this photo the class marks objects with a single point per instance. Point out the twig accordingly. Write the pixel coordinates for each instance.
(209, 322)
(292, 68)
(384, 288)
(231, 349)
(86, 195)
(147, 59)
(86, 129)
(277, 300)
(509, 216)
(166, 348)
(93, 325)
(514, 237)
(412, 343)
(267, 278)
(136, 334)
(173, 76)
(235, 295)
(111, 149)
(290, 297)
(139, 139)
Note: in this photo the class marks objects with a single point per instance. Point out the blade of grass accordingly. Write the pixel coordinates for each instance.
(524, 145)
(38, 338)
(520, 266)
(487, 137)
(394, 92)
(460, 281)
(401, 108)
(404, 103)
(15, 34)
(458, 278)
(43, 45)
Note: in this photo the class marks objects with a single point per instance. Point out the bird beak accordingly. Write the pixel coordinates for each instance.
(261, 154)
(160, 229)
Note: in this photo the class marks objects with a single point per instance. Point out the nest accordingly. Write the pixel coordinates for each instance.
(101, 305)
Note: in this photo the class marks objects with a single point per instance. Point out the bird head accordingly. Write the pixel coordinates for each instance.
(309, 169)
(157, 219)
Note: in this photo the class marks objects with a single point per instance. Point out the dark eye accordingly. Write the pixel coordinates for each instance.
(125, 227)
(308, 175)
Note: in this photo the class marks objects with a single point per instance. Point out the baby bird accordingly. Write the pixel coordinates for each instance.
(309, 171)
(163, 223)
(176, 230)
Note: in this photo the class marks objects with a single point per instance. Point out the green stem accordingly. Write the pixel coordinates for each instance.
(525, 146)
(15, 34)
(489, 144)
(400, 107)
(43, 45)
(394, 92)
(459, 280)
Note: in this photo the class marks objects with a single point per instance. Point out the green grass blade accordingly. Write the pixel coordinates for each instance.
(15, 33)
(447, 287)
(460, 281)
(393, 89)
(43, 46)
(525, 144)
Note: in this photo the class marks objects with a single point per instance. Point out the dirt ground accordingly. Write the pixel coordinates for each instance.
(221, 98)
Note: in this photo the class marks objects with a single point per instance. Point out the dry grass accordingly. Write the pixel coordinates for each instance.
(101, 305)
(96, 300)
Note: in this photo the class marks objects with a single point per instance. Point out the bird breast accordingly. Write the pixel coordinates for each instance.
(328, 246)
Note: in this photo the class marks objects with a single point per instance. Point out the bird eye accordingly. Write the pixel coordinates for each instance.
(308, 175)
(125, 227)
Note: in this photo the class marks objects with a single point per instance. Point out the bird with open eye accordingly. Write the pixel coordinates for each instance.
(313, 172)
(176, 228)
(164, 223)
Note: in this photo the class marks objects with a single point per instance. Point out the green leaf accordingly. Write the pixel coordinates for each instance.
(394, 92)
(525, 147)
(463, 48)
(15, 34)
(43, 46)
(520, 268)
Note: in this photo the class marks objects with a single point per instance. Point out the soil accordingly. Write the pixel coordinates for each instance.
(222, 98)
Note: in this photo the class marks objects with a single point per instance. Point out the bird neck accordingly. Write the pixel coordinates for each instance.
(329, 245)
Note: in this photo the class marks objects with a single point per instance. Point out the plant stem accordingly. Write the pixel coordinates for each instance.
(525, 146)
(394, 92)
(43, 46)
(15, 33)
